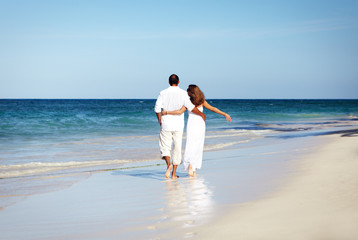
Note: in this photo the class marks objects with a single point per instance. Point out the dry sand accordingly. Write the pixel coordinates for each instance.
(320, 201)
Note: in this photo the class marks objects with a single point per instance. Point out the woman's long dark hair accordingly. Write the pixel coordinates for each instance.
(196, 95)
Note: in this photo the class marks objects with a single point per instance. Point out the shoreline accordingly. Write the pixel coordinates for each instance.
(318, 201)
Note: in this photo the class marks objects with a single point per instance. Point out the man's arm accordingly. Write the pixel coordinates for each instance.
(159, 116)
(158, 109)
(198, 112)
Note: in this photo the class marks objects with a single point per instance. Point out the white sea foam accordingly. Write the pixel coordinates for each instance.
(237, 133)
(34, 168)
(223, 145)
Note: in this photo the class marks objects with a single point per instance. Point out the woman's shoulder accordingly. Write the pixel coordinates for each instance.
(207, 105)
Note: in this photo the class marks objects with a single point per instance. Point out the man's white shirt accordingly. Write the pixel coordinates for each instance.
(171, 99)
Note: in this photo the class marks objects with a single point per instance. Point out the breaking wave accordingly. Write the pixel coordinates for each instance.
(35, 168)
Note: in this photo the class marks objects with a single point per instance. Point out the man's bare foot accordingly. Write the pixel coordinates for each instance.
(167, 173)
(175, 177)
(194, 174)
(191, 173)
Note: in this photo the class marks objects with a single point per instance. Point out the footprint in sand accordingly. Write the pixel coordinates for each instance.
(190, 222)
(152, 227)
(190, 235)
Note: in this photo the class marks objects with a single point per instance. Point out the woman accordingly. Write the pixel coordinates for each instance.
(195, 130)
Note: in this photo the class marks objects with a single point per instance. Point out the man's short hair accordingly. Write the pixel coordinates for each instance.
(173, 79)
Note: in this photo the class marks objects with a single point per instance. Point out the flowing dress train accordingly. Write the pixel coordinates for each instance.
(195, 136)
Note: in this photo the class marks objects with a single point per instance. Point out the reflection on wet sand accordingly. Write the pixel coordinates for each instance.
(188, 203)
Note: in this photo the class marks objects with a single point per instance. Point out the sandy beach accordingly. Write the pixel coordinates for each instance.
(318, 202)
(289, 188)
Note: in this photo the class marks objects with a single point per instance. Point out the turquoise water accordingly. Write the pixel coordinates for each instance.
(63, 140)
(53, 131)
(24, 120)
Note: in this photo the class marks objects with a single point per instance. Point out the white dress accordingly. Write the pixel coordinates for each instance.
(195, 136)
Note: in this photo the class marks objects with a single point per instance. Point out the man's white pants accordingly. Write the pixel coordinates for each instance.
(166, 138)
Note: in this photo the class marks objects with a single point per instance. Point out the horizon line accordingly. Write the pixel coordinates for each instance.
(155, 98)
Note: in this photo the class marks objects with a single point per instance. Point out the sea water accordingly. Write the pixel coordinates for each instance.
(50, 144)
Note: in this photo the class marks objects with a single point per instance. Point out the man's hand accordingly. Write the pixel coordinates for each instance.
(203, 116)
(197, 112)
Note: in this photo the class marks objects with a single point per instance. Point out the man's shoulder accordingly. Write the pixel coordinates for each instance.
(178, 89)
(173, 89)
(164, 90)
(182, 90)
(184, 93)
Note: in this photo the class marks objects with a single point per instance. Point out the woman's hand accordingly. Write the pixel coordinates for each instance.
(227, 116)
(164, 112)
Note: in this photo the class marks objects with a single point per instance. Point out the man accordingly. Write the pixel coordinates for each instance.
(172, 126)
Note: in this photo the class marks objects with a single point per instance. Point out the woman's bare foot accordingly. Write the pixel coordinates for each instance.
(167, 173)
(191, 173)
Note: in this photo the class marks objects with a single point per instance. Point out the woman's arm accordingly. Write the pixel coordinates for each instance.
(214, 109)
(176, 112)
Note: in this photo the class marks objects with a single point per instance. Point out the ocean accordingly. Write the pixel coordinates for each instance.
(50, 144)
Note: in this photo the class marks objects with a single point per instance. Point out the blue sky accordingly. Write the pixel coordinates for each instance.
(127, 49)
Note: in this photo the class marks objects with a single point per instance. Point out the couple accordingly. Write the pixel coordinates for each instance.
(169, 107)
